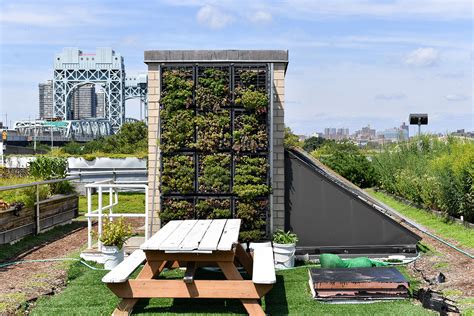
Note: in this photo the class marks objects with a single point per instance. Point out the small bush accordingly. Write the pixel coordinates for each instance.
(346, 159)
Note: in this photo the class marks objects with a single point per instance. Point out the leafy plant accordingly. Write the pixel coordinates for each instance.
(431, 172)
(213, 131)
(212, 92)
(115, 232)
(178, 174)
(281, 237)
(50, 168)
(213, 208)
(250, 175)
(176, 209)
(291, 140)
(346, 159)
(252, 100)
(249, 134)
(215, 173)
(177, 91)
(177, 131)
(252, 214)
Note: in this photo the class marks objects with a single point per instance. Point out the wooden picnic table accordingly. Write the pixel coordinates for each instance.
(193, 244)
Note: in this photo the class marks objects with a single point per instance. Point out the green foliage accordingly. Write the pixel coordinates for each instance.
(291, 140)
(215, 173)
(253, 100)
(48, 168)
(312, 143)
(178, 174)
(431, 172)
(281, 237)
(213, 131)
(212, 92)
(252, 214)
(177, 91)
(346, 159)
(249, 134)
(250, 175)
(176, 209)
(115, 232)
(213, 209)
(177, 130)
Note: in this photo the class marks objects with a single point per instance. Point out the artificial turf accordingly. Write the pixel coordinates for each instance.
(85, 294)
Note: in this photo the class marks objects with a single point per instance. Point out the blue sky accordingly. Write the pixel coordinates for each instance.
(352, 62)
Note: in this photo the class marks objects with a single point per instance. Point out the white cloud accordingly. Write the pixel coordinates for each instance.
(260, 17)
(390, 96)
(213, 17)
(456, 97)
(422, 57)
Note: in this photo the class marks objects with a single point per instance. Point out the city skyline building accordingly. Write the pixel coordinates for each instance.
(83, 102)
(46, 100)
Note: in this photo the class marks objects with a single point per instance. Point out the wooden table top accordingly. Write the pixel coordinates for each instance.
(195, 236)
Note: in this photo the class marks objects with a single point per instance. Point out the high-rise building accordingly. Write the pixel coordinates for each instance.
(46, 100)
(100, 104)
(83, 102)
(406, 131)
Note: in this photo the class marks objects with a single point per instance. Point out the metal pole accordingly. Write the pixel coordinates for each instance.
(99, 202)
(111, 199)
(51, 130)
(271, 144)
(38, 229)
(89, 219)
(147, 229)
(419, 128)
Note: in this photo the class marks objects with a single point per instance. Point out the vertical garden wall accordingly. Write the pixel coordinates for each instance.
(213, 155)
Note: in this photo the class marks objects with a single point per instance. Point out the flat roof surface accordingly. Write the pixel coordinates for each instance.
(231, 55)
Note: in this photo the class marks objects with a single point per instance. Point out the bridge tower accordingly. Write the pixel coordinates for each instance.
(73, 68)
(136, 88)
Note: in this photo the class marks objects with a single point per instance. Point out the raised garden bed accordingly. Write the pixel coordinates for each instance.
(18, 222)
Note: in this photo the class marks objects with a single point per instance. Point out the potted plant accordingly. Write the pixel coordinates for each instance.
(114, 234)
(284, 247)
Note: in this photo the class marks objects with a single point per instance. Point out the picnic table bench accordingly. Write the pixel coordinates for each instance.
(193, 244)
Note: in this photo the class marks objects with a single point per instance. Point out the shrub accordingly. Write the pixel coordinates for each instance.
(312, 143)
(346, 159)
(177, 130)
(49, 168)
(435, 173)
(291, 140)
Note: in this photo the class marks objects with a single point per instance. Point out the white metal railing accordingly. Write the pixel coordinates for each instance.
(111, 188)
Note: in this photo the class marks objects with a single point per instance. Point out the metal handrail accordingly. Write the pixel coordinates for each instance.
(24, 185)
(38, 202)
(111, 186)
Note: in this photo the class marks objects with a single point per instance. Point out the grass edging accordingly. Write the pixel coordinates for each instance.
(450, 230)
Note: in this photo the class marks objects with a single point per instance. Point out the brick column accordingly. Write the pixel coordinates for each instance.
(153, 159)
(278, 176)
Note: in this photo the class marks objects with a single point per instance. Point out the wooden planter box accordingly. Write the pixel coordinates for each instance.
(56, 210)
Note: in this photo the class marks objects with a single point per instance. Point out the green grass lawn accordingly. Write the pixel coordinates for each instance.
(445, 229)
(87, 295)
(128, 203)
